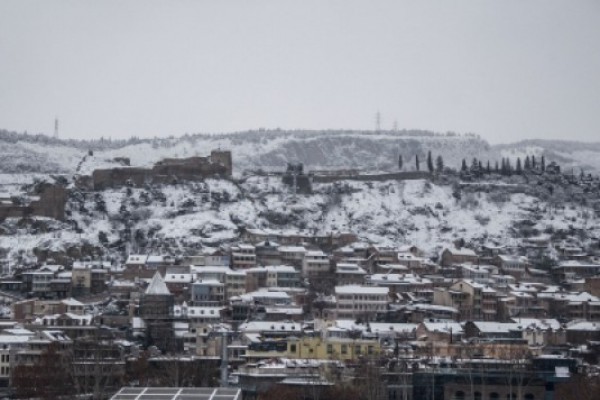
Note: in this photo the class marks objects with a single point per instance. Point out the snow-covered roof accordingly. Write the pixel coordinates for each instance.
(398, 278)
(315, 253)
(443, 326)
(157, 285)
(291, 249)
(51, 268)
(136, 259)
(375, 327)
(537, 323)
(12, 339)
(265, 295)
(569, 296)
(157, 259)
(358, 289)
(284, 310)
(71, 302)
(210, 269)
(343, 268)
(496, 327)
(576, 264)
(461, 252)
(584, 326)
(513, 259)
(523, 287)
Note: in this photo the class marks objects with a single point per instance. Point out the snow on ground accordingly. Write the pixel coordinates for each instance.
(393, 212)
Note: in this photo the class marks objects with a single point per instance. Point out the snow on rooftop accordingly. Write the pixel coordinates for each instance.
(157, 285)
(358, 289)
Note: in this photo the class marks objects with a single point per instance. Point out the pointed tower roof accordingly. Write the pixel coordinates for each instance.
(157, 285)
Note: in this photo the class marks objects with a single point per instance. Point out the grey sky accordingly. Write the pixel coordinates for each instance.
(505, 69)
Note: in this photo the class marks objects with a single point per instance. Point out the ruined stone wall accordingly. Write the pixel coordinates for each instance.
(374, 177)
(51, 204)
(117, 177)
(166, 171)
(223, 157)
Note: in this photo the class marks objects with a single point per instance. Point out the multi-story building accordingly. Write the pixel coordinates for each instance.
(267, 253)
(349, 274)
(243, 256)
(315, 263)
(516, 266)
(473, 300)
(207, 292)
(401, 283)
(451, 256)
(85, 280)
(354, 301)
(292, 255)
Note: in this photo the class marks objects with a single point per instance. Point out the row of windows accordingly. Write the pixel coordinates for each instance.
(345, 347)
(361, 307)
(5, 358)
(362, 297)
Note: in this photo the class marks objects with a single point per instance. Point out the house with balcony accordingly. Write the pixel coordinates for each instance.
(354, 301)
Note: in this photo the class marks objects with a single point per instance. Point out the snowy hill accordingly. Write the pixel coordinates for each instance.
(185, 217)
(270, 150)
(250, 150)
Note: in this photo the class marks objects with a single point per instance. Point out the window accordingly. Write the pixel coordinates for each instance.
(292, 348)
(344, 349)
(357, 349)
(329, 349)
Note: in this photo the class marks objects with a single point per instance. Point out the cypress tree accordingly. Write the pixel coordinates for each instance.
(543, 164)
(488, 168)
(463, 168)
(400, 163)
(519, 169)
(429, 162)
(418, 164)
(533, 163)
(527, 163)
(439, 163)
(509, 169)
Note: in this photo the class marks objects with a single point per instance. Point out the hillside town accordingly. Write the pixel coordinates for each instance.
(279, 313)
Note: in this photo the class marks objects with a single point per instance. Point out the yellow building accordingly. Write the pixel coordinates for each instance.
(314, 348)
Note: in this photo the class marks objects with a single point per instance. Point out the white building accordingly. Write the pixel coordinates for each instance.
(243, 256)
(315, 263)
(354, 300)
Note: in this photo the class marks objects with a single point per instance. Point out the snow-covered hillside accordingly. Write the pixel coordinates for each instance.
(273, 149)
(250, 150)
(185, 217)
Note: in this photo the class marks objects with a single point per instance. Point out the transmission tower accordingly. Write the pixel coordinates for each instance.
(56, 128)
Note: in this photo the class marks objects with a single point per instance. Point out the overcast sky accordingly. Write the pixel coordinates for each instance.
(504, 69)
